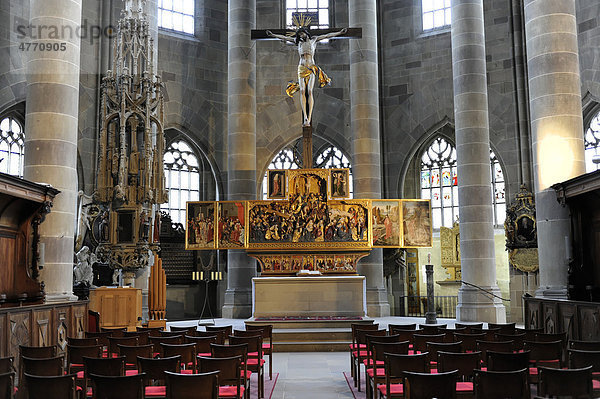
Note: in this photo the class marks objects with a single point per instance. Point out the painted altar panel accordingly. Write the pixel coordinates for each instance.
(416, 224)
(339, 184)
(386, 223)
(326, 263)
(200, 232)
(276, 184)
(231, 233)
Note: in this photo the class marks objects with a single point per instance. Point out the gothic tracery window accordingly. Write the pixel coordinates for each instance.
(176, 15)
(182, 172)
(12, 145)
(592, 144)
(439, 183)
(436, 14)
(321, 7)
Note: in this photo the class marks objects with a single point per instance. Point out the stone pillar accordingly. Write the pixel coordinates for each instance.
(557, 129)
(51, 135)
(478, 261)
(241, 146)
(364, 125)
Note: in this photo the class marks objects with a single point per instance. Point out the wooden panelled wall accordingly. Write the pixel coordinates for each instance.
(581, 320)
(41, 325)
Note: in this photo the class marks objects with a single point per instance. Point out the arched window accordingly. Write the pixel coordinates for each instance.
(12, 144)
(592, 144)
(176, 15)
(436, 14)
(310, 7)
(439, 183)
(328, 157)
(182, 172)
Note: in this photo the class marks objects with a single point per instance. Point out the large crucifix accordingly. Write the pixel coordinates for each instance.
(308, 72)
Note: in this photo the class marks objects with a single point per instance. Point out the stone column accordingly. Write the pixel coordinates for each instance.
(51, 135)
(364, 125)
(557, 129)
(478, 263)
(241, 146)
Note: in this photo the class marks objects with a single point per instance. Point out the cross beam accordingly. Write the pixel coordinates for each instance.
(261, 34)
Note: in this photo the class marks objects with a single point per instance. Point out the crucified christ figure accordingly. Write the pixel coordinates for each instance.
(308, 71)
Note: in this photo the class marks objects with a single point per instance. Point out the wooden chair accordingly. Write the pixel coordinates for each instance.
(465, 365)
(356, 347)
(93, 321)
(37, 351)
(75, 356)
(543, 354)
(362, 354)
(505, 328)
(490, 333)
(420, 341)
(405, 335)
(219, 351)
(7, 364)
(225, 331)
(187, 353)
(142, 336)
(529, 332)
(113, 343)
(204, 334)
(575, 383)
(195, 386)
(426, 385)
(131, 353)
(230, 378)
(255, 362)
(267, 334)
(517, 339)
(584, 345)
(470, 340)
(395, 366)
(164, 333)
(114, 331)
(501, 384)
(580, 359)
(152, 331)
(507, 361)
(432, 329)
(550, 337)
(496, 346)
(82, 341)
(184, 330)
(102, 336)
(375, 368)
(469, 327)
(7, 384)
(52, 366)
(202, 344)
(118, 387)
(434, 347)
(402, 327)
(156, 341)
(112, 366)
(51, 387)
(154, 373)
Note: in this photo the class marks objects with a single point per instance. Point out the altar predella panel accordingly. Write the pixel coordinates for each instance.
(311, 215)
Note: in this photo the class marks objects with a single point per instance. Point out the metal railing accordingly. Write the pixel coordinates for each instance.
(416, 306)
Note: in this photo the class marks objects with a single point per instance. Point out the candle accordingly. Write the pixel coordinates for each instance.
(429, 258)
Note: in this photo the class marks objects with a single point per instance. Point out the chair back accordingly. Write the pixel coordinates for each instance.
(426, 385)
(505, 328)
(93, 320)
(397, 364)
(51, 387)
(529, 332)
(404, 335)
(490, 333)
(469, 340)
(545, 352)
(154, 369)
(229, 351)
(361, 335)
(464, 363)
(359, 326)
(501, 384)
(219, 335)
(507, 361)
(7, 364)
(403, 327)
(550, 337)
(7, 384)
(496, 346)
(434, 347)
(254, 343)
(184, 330)
(432, 329)
(186, 351)
(469, 327)
(82, 341)
(267, 331)
(48, 366)
(75, 355)
(131, 353)
(580, 359)
(114, 341)
(118, 387)
(115, 331)
(102, 336)
(420, 341)
(517, 339)
(192, 386)
(142, 336)
(229, 369)
(584, 345)
(114, 366)
(202, 344)
(152, 331)
(163, 333)
(574, 383)
(225, 331)
(379, 349)
(173, 340)
(37, 351)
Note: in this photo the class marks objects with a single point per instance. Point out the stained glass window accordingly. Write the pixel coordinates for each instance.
(439, 183)
(592, 144)
(182, 172)
(436, 14)
(318, 7)
(176, 15)
(12, 145)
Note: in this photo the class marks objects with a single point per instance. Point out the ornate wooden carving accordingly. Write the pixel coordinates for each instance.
(20, 333)
(520, 228)
(41, 336)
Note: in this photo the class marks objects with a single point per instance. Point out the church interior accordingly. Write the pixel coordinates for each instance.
(310, 177)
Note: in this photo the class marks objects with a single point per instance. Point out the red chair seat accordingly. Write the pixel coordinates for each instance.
(80, 375)
(369, 362)
(246, 371)
(595, 384)
(397, 389)
(266, 346)
(353, 346)
(187, 371)
(254, 362)
(252, 354)
(131, 372)
(360, 353)
(230, 392)
(159, 390)
(204, 354)
(464, 386)
(380, 372)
